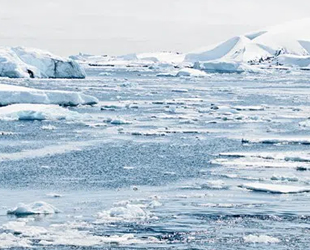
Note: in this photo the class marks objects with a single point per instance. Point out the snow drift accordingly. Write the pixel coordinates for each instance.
(23, 62)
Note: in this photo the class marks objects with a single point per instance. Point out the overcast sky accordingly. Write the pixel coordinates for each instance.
(116, 27)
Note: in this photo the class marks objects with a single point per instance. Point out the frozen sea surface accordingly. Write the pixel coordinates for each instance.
(220, 162)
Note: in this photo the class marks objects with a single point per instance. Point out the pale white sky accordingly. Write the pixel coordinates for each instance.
(117, 27)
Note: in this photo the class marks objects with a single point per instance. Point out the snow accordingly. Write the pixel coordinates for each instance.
(21, 62)
(10, 94)
(260, 239)
(39, 112)
(39, 207)
(273, 188)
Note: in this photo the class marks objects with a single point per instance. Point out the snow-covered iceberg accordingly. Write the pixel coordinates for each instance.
(287, 44)
(10, 94)
(20, 62)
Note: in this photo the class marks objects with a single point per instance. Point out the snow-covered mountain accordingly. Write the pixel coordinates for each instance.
(281, 44)
(20, 62)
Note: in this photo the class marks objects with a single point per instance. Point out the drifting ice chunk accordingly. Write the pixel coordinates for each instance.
(260, 239)
(39, 207)
(126, 213)
(14, 94)
(34, 63)
(36, 112)
(271, 188)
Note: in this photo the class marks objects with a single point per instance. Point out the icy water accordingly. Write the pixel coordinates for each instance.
(163, 163)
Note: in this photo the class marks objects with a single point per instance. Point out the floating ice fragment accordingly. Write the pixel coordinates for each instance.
(39, 207)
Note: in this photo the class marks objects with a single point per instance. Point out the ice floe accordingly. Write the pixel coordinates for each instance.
(273, 188)
(260, 239)
(39, 207)
(31, 112)
(10, 94)
(129, 212)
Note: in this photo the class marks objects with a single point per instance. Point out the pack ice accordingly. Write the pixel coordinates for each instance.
(20, 62)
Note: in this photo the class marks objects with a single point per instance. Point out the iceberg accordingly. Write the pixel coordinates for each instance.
(20, 62)
(282, 45)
